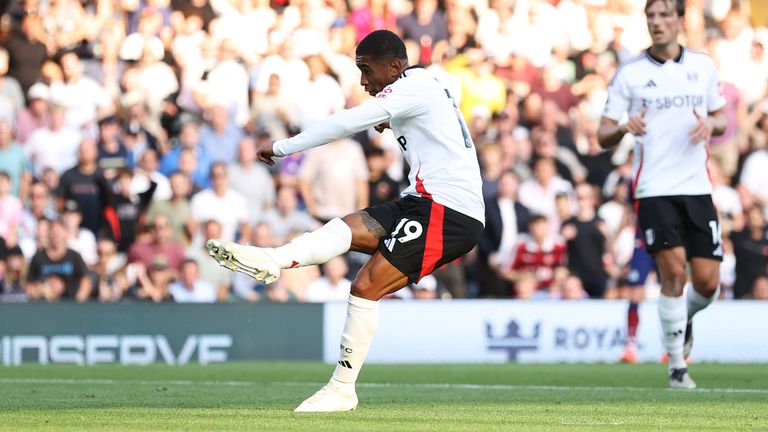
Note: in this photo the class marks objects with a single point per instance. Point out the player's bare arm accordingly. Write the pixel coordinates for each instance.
(713, 123)
(611, 132)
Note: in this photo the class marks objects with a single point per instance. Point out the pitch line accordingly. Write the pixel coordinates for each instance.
(448, 386)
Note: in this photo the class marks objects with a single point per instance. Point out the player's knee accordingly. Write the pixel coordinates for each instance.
(364, 287)
(706, 287)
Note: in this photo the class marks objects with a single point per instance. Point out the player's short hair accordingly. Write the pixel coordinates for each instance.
(679, 5)
(382, 44)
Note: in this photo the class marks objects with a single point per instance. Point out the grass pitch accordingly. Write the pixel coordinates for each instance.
(261, 396)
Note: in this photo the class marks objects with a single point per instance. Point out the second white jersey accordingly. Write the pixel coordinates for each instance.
(435, 142)
(667, 162)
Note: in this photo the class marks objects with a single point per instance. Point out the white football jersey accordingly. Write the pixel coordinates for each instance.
(435, 141)
(666, 161)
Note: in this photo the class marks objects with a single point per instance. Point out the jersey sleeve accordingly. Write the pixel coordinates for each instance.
(339, 125)
(619, 99)
(715, 97)
(400, 100)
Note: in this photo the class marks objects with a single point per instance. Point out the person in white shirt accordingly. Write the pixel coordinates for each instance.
(332, 286)
(223, 204)
(671, 96)
(190, 288)
(439, 217)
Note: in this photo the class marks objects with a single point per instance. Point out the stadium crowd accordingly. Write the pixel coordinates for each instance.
(128, 135)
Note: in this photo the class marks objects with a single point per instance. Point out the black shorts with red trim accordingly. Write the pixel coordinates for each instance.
(689, 221)
(423, 235)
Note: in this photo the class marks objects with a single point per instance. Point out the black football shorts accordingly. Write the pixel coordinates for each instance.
(423, 235)
(689, 221)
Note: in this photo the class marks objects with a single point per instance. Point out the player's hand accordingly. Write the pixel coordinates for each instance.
(265, 153)
(702, 130)
(380, 127)
(636, 125)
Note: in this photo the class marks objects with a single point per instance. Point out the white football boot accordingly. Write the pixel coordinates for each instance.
(253, 261)
(680, 379)
(330, 398)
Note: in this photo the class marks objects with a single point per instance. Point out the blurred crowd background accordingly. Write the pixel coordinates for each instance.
(128, 132)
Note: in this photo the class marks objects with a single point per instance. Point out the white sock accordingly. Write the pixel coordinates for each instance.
(362, 320)
(697, 302)
(316, 247)
(673, 315)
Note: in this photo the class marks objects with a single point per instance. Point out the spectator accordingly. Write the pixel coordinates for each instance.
(124, 209)
(57, 272)
(760, 289)
(85, 100)
(423, 29)
(111, 280)
(80, 240)
(39, 206)
(189, 139)
(113, 155)
(55, 146)
(330, 193)
(35, 115)
(586, 238)
(224, 204)
(210, 271)
(538, 193)
(161, 246)
(542, 255)
(11, 95)
(750, 247)
(14, 162)
(12, 275)
(220, 136)
(286, 217)
(252, 180)
(11, 210)
(332, 286)
(189, 288)
(26, 52)
(505, 219)
(177, 208)
(381, 187)
(146, 172)
(153, 283)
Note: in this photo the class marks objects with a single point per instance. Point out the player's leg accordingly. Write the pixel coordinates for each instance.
(641, 265)
(663, 221)
(357, 231)
(376, 279)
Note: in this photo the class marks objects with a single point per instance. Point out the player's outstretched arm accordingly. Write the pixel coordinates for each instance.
(339, 125)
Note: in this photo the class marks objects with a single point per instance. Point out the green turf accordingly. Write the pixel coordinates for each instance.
(261, 396)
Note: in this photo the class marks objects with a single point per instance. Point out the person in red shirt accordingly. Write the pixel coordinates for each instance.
(541, 255)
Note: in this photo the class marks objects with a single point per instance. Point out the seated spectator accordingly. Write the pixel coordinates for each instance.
(286, 217)
(35, 116)
(750, 246)
(125, 209)
(11, 210)
(81, 183)
(12, 274)
(153, 283)
(220, 136)
(161, 245)
(538, 193)
(111, 280)
(57, 272)
(189, 288)
(540, 255)
(112, 152)
(381, 187)
(572, 289)
(224, 204)
(332, 286)
(177, 208)
(14, 161)
(252, 180)
(210, 270)
(80, 240)
(146, 172)
(189, 139)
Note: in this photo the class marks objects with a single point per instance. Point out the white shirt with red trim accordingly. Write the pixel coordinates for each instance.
(666, 161)
(430, 130)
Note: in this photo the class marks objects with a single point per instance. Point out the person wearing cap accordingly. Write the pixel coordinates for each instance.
(81, 240)
(14, 161)
(35, 115)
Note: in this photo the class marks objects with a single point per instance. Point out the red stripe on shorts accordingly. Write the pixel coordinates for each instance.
(433, 249)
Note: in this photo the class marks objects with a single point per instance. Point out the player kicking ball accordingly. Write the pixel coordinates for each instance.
(438, 218)
(674, 106)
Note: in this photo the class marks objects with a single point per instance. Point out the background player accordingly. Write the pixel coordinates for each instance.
(439, 217)
(674, 106)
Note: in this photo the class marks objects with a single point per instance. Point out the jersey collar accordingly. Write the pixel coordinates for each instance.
(407, 70)
(658, 62)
